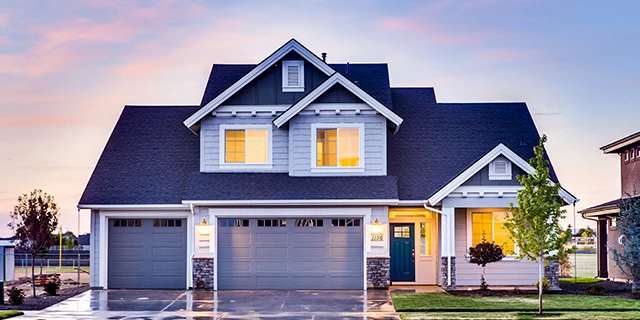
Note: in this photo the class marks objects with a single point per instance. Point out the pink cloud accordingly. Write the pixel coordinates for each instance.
(4, 20)
(44, 121)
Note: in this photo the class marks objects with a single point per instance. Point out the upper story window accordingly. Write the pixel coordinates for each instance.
(338, 146)
(245, 145)
(626, 156)
(292, 76)
(490, 226)
(632, 152)
(500, 169)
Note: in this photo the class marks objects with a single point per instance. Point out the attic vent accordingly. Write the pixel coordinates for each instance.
(500, 169)
(292, 76)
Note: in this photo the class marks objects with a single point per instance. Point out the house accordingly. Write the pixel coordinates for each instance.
(84, 240)
(296, 173)
(7, 266)
(608, 236)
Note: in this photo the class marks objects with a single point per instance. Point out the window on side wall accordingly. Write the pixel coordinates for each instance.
(338, 147)
(626, 156)
(292, 76)
(245, 146)
(490, 226)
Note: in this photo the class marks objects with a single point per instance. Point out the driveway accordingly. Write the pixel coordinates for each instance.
(201, 305)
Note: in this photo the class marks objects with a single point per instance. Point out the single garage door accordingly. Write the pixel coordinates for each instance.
(147, 254)
(292, 253)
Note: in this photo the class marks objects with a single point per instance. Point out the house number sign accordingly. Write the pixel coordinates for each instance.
(378, 236)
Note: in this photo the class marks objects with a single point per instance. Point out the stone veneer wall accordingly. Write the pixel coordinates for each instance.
(203, 277)
(378, 272)
(444, 261)
(552, 273)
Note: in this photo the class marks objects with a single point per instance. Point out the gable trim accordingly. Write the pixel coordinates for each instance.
(292, 45)
(500, 149)
(322, 88)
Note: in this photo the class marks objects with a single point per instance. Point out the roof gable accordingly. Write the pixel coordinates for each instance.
(292, 45)
(336, 79)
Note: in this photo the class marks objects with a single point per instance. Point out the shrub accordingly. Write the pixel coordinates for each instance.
(16, 296)
(482, 254)
(51, 288)
(517, 291)
(595, 290)
(545, 285)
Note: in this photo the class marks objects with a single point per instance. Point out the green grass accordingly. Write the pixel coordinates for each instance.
(577, 315)
(21, 272)
(444, 302)
(10, 314)
(580, 280)
(586, 266)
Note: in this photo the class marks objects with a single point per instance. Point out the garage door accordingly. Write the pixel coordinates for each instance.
(147, 254)
(290, 253)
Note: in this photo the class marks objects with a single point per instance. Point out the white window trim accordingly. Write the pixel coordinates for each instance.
(314, 150)
(235, 165)
(492, 170)
(470, 231)
(285, 76)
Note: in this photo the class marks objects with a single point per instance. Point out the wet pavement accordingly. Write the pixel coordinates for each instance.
(201, 305)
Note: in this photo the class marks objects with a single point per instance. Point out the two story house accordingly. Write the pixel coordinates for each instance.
(608, 236)
(295, 173)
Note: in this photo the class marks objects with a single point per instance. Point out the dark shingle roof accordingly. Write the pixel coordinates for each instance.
(373, 78)
(438, 141)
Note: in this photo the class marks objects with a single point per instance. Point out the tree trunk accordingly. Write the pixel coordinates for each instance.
(33, 274)
(540, 272)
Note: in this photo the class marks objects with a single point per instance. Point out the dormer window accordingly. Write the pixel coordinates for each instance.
(292, 76)
(500, 169)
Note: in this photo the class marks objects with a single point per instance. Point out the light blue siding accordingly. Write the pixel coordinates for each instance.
(94, 262)
(375, 140)
(210, 143)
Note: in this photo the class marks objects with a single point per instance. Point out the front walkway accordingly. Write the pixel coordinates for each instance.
(169, 304)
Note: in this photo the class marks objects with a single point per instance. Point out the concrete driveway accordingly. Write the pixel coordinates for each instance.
(201, 305)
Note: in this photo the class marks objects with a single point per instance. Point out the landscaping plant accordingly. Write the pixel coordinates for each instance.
(482, 254)
(16, 296)
(51, 287)
(545, 285)
(535, 223)
(34, 220)
(628, 223)
(595, 290)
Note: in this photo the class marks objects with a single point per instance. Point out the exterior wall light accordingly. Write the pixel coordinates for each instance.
(377, 227)
(203, 228)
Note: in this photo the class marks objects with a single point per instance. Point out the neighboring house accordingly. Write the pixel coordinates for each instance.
(7, 266)
(628, 149)
(85, 241)
(299, 174)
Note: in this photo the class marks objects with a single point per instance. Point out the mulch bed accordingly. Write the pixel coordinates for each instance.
(611, 288)
(42, 301)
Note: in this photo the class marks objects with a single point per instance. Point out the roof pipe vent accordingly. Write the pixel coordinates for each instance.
(324, 57)
(522, 142)
(347, 72)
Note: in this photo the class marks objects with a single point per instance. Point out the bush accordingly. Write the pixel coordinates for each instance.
(595, 290)
(51, 288)
(545, 285)
(517, 291)
(16, 297)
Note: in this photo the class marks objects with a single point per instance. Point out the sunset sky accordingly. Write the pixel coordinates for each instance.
(67, 68)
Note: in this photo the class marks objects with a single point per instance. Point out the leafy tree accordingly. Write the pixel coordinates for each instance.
(34, 220)
(587, 233)
(563, 257)
(628, 223)
(484, 253)
(70, 243)
(535, 224)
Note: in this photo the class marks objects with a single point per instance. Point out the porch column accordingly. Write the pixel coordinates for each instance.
(448, 256)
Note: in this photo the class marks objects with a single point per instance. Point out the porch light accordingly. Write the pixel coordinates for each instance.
(204, 222)
(203, 228)
(377, 227)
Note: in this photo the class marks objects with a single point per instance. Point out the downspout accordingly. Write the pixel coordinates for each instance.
(193, 250)
(424, 203)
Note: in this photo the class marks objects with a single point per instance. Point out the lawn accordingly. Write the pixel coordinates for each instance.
(10, 314)
(408, 302)
(585, 264)
(19, 271)
(580, 280)
(576, 315)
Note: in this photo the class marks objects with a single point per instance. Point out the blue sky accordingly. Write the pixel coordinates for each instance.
(68, 67)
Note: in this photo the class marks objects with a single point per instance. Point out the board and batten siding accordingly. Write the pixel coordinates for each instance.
(481, 178)
(210, 143)
(94, 249)
(375, 143)
(504, 273)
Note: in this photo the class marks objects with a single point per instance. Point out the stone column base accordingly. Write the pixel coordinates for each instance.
(378, 272)
(552, 273)
(444, 272)
(203, 276)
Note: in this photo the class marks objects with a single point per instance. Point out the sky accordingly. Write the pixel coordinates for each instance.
(68, 67)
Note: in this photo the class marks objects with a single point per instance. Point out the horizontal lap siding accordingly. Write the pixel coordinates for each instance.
(94, 261)
(374, 143)
(210, 135)
(503, 273)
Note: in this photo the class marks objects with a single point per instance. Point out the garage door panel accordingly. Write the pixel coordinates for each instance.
(147, 254)
(304, 254)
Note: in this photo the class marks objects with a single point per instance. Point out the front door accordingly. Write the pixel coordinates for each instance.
(402, 252)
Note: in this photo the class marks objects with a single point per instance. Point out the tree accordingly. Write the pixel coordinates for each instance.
(34, 220)
(628, 223)
(563, 257)
(535, 224)
(484, 253)
(587, 233)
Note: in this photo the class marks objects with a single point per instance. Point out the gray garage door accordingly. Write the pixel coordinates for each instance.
(290, 253)
(147, 254)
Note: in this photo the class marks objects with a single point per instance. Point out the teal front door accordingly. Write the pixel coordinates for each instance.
(402, 252)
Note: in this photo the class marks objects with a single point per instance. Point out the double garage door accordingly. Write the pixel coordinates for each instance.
(278, 253)
(302, 253)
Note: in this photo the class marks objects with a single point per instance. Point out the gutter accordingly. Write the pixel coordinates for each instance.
(424, 203)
